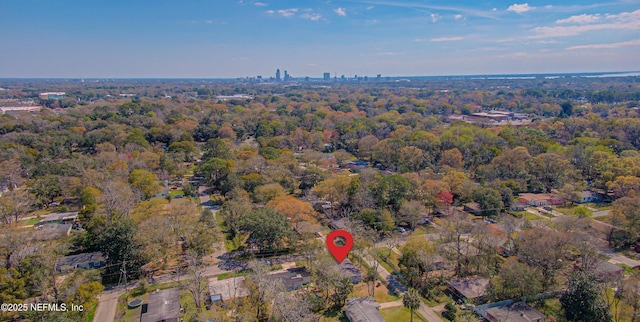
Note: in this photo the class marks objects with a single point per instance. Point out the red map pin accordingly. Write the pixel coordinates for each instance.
(339, 243)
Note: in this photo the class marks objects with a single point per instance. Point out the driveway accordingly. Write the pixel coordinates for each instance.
(106, 311)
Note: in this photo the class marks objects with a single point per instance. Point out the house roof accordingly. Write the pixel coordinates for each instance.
(348, 269)
(163, 306)
(539, 196)
(517, 312)
(470, 287)
(59, 216)
(293, 278)
(363, 309)
(229, 288)
(81, 260)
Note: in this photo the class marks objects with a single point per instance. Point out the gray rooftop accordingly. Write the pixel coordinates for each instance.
(471, 287)
(163, 306)
(363, 309)
(517, 312)
(229, 288)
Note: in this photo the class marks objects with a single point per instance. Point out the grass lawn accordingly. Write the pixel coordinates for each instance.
(31, 222)
(572, 211)
(529, 216)
(550, 307)
(599, 206)
(381, 293)
(233, 274)
(91, 312)
(418, 232)
(173, 193)
(400, 313)
(391, 264)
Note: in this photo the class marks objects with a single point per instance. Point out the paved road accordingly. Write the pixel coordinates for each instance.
(106, 311)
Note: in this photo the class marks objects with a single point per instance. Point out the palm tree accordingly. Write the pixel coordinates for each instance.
(411, 300)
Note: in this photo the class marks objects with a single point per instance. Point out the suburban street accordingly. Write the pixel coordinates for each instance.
(108, 300)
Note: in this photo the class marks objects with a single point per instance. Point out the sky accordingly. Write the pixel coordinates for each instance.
(246, 38)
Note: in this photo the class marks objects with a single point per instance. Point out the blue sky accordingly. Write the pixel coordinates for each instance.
(232, 38)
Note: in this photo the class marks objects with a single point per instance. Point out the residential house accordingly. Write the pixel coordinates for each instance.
(516, 312)
(162, 306)
(518, 206)
(540, 199)
(227, 289)
(473, 208)
(472, 289)
(58, 218)
(82, 261)
(293, 278)
(349, 270)
(363, 309)
(588, 196)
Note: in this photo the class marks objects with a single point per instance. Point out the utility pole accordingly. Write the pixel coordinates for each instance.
(123, 277)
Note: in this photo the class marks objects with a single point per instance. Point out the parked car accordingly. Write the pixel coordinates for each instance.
(547, 208)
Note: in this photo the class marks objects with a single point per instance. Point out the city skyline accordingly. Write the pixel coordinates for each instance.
(201, 39)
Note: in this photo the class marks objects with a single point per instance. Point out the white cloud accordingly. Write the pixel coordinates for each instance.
(580, 19)
(340, 12)
(435, 17)
(446, 39)
(370, 7)
(270, 12)
(622, 21)
(607, 46)
(311, 16)
(519, 8)
(288, 12)
(208, 21)
(260, 4)
(494, 9)
(457, 17)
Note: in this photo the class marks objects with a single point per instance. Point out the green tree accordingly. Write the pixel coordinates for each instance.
(118, 242)
(343, 288)
(145, 181)
(411, 300)
(392, 189)
(582, 301)
(12, 286)
(267, 228)
(490, 201)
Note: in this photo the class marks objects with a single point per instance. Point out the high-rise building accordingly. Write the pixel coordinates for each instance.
(278, 75)
(327, 76)
(286, 76)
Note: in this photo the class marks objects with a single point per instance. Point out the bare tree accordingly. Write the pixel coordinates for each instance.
(196, 282)
(262, 290)
(455, 229)
(291, 307)
(14, 205)
(118, 199)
